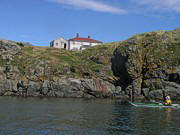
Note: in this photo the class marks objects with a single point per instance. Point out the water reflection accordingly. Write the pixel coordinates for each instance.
(168, 114)
(131, 120)
(120, 119)
(77, 116)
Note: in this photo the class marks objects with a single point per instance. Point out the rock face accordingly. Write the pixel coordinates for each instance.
(68, 88)
(146, 66)
(149, 65)
(21, 74)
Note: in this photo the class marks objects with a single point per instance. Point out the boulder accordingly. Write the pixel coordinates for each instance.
(98, 87)
(8, 86)
(34, 88)
(156, 94)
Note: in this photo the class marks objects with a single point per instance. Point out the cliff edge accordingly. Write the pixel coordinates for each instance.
(148, 65)
(145, 66)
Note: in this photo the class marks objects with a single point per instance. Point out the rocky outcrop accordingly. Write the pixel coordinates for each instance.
(66, 88)
(149, 65)
(25, 72)
(146, 66)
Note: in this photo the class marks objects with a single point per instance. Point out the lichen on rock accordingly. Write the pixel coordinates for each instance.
(146, 60)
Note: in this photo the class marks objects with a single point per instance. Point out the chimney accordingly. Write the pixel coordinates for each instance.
(77, 35)
(89, 36)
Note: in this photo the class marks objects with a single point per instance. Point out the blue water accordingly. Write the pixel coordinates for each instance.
(53, 116)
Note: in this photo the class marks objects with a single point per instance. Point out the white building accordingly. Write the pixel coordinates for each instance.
(77, 43)
(59, 43)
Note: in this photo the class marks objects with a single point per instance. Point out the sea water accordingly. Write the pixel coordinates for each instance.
(55, 116)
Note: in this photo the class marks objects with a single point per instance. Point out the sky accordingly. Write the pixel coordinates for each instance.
(41, 21)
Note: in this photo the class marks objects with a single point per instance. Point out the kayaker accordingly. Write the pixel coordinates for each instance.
(168, 100)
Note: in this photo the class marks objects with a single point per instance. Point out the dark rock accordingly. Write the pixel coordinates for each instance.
(173, 93)
(7, 86)
(140, 63)
(46, 87)
(145, 92)
(118, 89)
(33, 89)
(98, 59)
(156, 95)
(9, 93)
(174, 77)
(98, 88)
(171, 85)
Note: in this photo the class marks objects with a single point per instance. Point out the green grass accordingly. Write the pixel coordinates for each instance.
(60, 60)
(159, 46)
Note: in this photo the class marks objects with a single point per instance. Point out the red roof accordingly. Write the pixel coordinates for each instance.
(85, 40)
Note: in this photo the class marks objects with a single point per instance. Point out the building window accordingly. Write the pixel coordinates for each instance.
(56, 44)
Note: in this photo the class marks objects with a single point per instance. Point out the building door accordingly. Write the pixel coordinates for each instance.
(64, 45)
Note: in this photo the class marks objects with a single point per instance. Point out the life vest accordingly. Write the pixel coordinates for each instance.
(168, 102)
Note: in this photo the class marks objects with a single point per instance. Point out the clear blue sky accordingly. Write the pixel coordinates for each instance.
(40, 21)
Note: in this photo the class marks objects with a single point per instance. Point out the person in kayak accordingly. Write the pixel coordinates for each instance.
(168, 100)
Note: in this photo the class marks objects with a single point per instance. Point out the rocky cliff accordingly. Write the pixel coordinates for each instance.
(37, 71)
(146, 66)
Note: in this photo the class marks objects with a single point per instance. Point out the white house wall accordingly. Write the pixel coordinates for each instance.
(94, 44)
(75, 45)
(71, 45)
(59, 43)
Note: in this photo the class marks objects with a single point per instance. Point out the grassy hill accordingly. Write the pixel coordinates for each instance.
(95, 61)
(144, 62)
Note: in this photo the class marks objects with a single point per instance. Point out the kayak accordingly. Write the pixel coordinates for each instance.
(138, 104)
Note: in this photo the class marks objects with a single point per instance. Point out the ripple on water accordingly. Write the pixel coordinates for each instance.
(77, 116)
